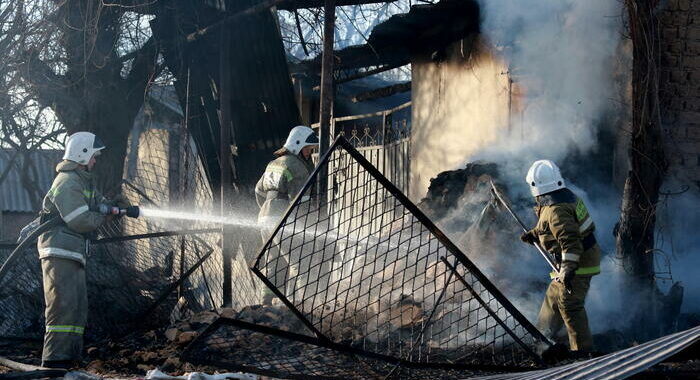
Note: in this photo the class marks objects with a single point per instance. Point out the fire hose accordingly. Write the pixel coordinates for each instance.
(546, 255)
(131, 211)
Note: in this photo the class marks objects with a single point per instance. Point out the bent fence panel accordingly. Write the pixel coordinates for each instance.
(379, 290)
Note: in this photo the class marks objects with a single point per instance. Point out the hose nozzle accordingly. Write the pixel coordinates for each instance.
(131, 211)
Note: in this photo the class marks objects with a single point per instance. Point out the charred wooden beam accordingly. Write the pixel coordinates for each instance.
(382, 92)
(290, 5)
(327, 89)
(226, 138)
(362, 74)
(260, 7)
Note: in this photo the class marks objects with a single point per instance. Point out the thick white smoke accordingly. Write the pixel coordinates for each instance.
(562, 55)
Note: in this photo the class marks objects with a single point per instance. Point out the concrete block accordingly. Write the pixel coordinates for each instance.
(692, 48)
(693, 33)
(692, 104)
(669, 60)
(678, 76)
(689, 117)
(689, 147)
(691, 62)
(693, 132)
(677, 132)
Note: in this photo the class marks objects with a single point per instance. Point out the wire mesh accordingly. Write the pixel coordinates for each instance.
(240, 346)
(131, 271)
(365, 268)
(22, 297)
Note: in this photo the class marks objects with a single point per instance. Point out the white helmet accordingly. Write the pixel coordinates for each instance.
(544, 177)
(81, 146)
(299, 137)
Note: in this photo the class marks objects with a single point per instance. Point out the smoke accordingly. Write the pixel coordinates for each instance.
(561, 56)
(564, 56)
(678, 243)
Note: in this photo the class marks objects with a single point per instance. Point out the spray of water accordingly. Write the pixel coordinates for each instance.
(231, 220)
(252, 222)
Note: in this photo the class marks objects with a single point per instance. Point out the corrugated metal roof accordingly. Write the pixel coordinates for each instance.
(263, 106)
(13, 195)
(262, 98)
(618, 365)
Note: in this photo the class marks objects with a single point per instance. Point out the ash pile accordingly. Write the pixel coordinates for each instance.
(462, 205)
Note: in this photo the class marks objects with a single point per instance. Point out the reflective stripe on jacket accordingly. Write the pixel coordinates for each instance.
(72, 197)
(563, 223)
(282, 180)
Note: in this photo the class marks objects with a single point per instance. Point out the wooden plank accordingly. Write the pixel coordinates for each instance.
(382, 92)
(290, 5)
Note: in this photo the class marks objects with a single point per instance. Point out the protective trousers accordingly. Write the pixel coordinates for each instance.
(276, 265)
(561, 308)
(65, 295)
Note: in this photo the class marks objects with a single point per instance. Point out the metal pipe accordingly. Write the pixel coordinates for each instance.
(546, 255)
(225, 159)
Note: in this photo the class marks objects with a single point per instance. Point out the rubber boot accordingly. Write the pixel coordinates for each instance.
(62, 364)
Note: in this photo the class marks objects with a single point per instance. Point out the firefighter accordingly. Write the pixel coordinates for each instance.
(565, 229)
(282, 180)
(62, 249)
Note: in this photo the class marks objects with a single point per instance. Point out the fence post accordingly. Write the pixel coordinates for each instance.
(225, 161)
(326, 105)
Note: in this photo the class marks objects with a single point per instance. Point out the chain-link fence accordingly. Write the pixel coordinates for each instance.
(369, 275)
(141, 272)
(21, 297)
(242, 346)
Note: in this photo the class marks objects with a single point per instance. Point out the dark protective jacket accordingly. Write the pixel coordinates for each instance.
(283, 179)
(72, 197)
(565, 229)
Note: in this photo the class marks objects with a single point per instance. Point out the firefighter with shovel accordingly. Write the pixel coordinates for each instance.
(565, 230)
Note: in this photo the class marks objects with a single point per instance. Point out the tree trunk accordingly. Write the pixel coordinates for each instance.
(635, 231)
(93, 94)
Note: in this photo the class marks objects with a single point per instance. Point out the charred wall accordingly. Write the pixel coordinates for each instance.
(460, 103)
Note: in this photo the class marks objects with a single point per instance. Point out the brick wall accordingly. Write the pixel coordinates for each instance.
(680, 87)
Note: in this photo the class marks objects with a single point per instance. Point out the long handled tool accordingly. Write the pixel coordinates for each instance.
(546, 255)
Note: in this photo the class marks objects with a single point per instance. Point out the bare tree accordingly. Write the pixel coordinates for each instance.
(88, 61)
(635, 231)
(25, 125)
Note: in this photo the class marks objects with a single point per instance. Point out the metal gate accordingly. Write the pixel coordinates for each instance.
(375, 282)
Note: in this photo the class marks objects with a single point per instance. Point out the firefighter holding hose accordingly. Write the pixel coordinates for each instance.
(565, 229)
(63, 248)
(283, 179)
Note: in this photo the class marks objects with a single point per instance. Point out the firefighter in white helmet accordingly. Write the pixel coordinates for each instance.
(565, 229)
(62, 249)
(282, 180)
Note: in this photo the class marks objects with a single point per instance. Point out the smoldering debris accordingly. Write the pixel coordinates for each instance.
(461, 203)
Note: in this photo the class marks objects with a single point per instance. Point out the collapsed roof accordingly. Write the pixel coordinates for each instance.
(425, 28)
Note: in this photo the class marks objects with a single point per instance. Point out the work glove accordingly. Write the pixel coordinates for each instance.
(567, 272)
(528, 237)
(121, 201)
(107, 210)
